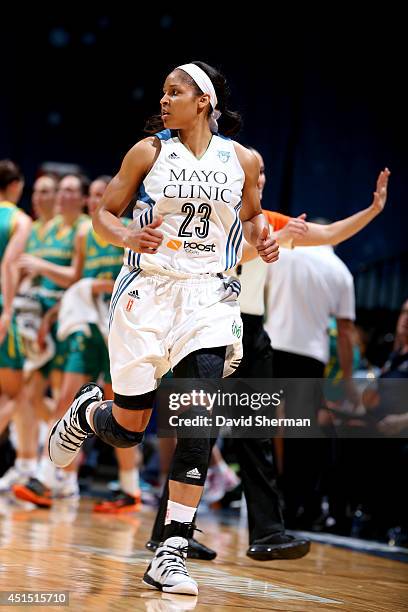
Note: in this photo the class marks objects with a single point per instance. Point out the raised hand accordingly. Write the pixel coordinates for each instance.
(294, 229)
(380, 194)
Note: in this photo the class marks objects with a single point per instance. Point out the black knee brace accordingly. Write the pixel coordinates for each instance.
(190, 461)
(135, 402)
(108, 429)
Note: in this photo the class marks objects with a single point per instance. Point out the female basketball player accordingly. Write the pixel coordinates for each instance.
(171, 306)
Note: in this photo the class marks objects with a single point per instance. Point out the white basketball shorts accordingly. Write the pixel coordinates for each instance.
(156, 320)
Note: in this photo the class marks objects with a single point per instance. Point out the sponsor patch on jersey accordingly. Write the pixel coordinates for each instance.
(174, 244)
(198, 248)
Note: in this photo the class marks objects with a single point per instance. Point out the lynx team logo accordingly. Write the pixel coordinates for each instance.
(237, 330)
(224, 156)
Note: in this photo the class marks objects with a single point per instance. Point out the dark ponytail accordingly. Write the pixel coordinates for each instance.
(154, 124)
(230, 121)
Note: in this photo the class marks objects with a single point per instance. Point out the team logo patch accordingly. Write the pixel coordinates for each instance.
(237, 330)
(174, 244)
(224, 156)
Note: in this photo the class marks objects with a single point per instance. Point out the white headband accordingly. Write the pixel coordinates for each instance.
(204, 82)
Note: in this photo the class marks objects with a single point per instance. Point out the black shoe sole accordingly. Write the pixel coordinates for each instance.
(148, 580)
(280, 552)
(151, 583)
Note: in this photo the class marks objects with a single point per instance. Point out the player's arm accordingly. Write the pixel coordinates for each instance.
(255, 226)
(10, 273)
(102, 285)
(136, 164)
(339, 231)
(63, 276)
(284, 230)
(47, 322)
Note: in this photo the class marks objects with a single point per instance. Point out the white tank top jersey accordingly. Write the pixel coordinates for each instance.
(199, 200)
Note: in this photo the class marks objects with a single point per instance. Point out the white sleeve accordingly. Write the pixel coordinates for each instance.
(346, 308)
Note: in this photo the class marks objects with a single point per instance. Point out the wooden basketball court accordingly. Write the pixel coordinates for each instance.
(100, 560)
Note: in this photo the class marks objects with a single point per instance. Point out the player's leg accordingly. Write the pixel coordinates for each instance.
(128, 497)
(41, 489)
(167, 570)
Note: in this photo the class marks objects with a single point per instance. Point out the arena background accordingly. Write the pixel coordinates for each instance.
(321, 92)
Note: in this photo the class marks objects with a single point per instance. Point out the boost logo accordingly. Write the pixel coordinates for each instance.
(174, 244)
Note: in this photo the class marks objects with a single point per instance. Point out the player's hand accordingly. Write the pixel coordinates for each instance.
(30, 264)
(267, 247)
(294, 229)
(380, 194)
(145, 240)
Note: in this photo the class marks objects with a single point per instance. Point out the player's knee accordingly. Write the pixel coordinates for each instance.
(191, 458)
(110, 431)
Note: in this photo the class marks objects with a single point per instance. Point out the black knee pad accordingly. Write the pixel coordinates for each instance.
(135, 402)
(190, 462)
(108, 429)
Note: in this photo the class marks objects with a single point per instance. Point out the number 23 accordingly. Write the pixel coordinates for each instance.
(205, 211)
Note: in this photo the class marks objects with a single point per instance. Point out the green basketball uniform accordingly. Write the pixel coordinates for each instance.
(89, 355)
(54, 243)
(11, 350)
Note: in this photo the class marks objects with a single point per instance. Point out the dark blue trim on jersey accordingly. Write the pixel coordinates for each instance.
(234, 240)
(235, 244)
(143, 196)
(124, 283)
(164, 135)
(133, 259)
(145, 217)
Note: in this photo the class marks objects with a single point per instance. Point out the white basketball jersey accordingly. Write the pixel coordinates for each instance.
(199, 200)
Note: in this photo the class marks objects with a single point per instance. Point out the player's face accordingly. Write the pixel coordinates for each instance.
(262, 178)
(179, 104)
(43, 197)
(96, 191)
(69, 195)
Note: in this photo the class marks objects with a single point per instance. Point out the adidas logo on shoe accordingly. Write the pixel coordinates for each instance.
(173, 156)
(134, 294)
(194, 473)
